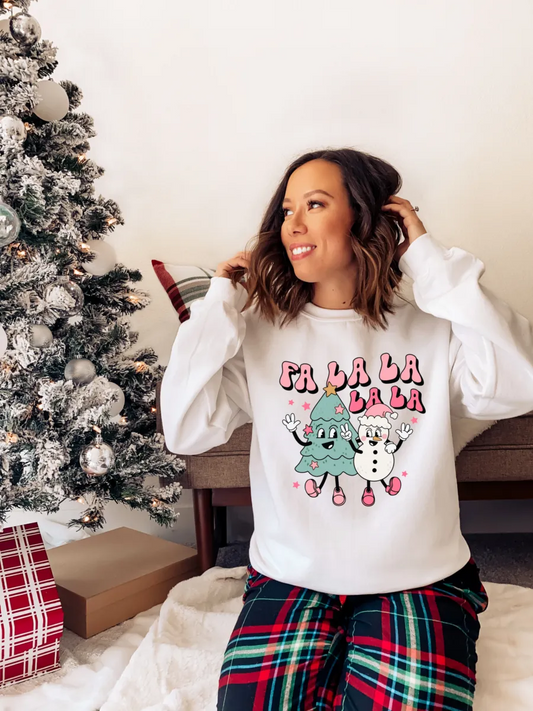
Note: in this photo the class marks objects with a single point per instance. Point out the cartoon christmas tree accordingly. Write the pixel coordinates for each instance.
(329, 452)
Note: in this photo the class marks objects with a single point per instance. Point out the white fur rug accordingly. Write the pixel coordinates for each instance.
(177, 665)
(169, 658)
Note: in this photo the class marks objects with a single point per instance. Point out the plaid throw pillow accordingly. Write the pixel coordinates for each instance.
(183, 284)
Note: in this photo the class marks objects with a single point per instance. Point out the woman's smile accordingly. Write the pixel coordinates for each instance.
(301, 252)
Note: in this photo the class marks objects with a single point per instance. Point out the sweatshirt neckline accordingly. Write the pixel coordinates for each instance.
(330, 314)
(319, 313)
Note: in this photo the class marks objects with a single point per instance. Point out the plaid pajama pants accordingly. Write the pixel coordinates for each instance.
(295, 649)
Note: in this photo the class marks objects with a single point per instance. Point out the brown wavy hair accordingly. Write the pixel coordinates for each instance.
(270, 279)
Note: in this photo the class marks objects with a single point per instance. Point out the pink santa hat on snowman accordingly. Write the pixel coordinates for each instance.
(375, 415)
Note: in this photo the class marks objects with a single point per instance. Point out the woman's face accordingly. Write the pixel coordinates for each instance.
(319, 221)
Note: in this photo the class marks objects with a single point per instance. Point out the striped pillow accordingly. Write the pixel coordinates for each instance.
(183, 284)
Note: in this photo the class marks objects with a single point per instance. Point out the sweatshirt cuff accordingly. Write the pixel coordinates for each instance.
(416, 260)
(221, 289)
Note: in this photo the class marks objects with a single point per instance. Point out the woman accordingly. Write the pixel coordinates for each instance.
(361, 590)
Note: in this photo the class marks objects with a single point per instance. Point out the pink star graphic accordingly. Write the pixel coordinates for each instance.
(339, 409)
(291, 402)
(306, 405)
(308, 429)
(404, 473)
(414, 420)
(314, 465)
(295, 484)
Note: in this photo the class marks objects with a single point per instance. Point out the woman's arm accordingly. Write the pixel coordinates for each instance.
(491, 345)
(204, 393)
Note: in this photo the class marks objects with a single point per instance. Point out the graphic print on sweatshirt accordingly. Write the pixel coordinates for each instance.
(339, 443)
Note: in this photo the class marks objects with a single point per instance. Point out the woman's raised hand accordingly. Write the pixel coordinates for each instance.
(240, 260)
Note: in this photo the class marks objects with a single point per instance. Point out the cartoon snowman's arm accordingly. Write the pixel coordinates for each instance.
(404, 432)
(397, 445)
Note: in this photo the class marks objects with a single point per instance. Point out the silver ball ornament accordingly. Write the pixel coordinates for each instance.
(25, 29)
(64, 296)
(13, 127)
(98, 458)
(9, 225)
(41, 336)
(80, 370)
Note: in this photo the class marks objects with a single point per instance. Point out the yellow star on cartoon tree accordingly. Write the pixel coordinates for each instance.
(330, 389)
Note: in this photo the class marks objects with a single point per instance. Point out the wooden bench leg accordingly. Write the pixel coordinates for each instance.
(204, 524)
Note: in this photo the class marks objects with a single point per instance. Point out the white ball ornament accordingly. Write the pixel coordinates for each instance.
(3, 341)
(80, 370)
(116, 407)
(54, 103)
(104, 260)
(13, 127)
(41, 336)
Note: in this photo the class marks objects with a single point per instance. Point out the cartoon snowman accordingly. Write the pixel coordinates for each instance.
(374, 455)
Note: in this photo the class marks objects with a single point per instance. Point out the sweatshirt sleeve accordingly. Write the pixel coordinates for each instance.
(204, 393)
(491, 345)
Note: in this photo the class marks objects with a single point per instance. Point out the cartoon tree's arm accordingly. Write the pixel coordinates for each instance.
(347, 435)
(304, 444)
(355, 449)
(291, 424)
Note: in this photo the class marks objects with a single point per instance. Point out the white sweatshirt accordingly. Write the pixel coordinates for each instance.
(347, 499)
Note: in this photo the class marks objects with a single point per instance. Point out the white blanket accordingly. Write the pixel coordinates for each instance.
(89, 670)
(177, 665)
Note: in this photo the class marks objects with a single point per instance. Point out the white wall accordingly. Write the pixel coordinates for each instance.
(200, 107)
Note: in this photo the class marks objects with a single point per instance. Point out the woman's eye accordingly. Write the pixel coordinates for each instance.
(309, 202)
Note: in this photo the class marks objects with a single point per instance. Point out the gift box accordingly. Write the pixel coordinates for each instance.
(109, 577)
(31, 617)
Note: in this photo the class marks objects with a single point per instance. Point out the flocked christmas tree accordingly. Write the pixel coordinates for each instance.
(77, 413)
